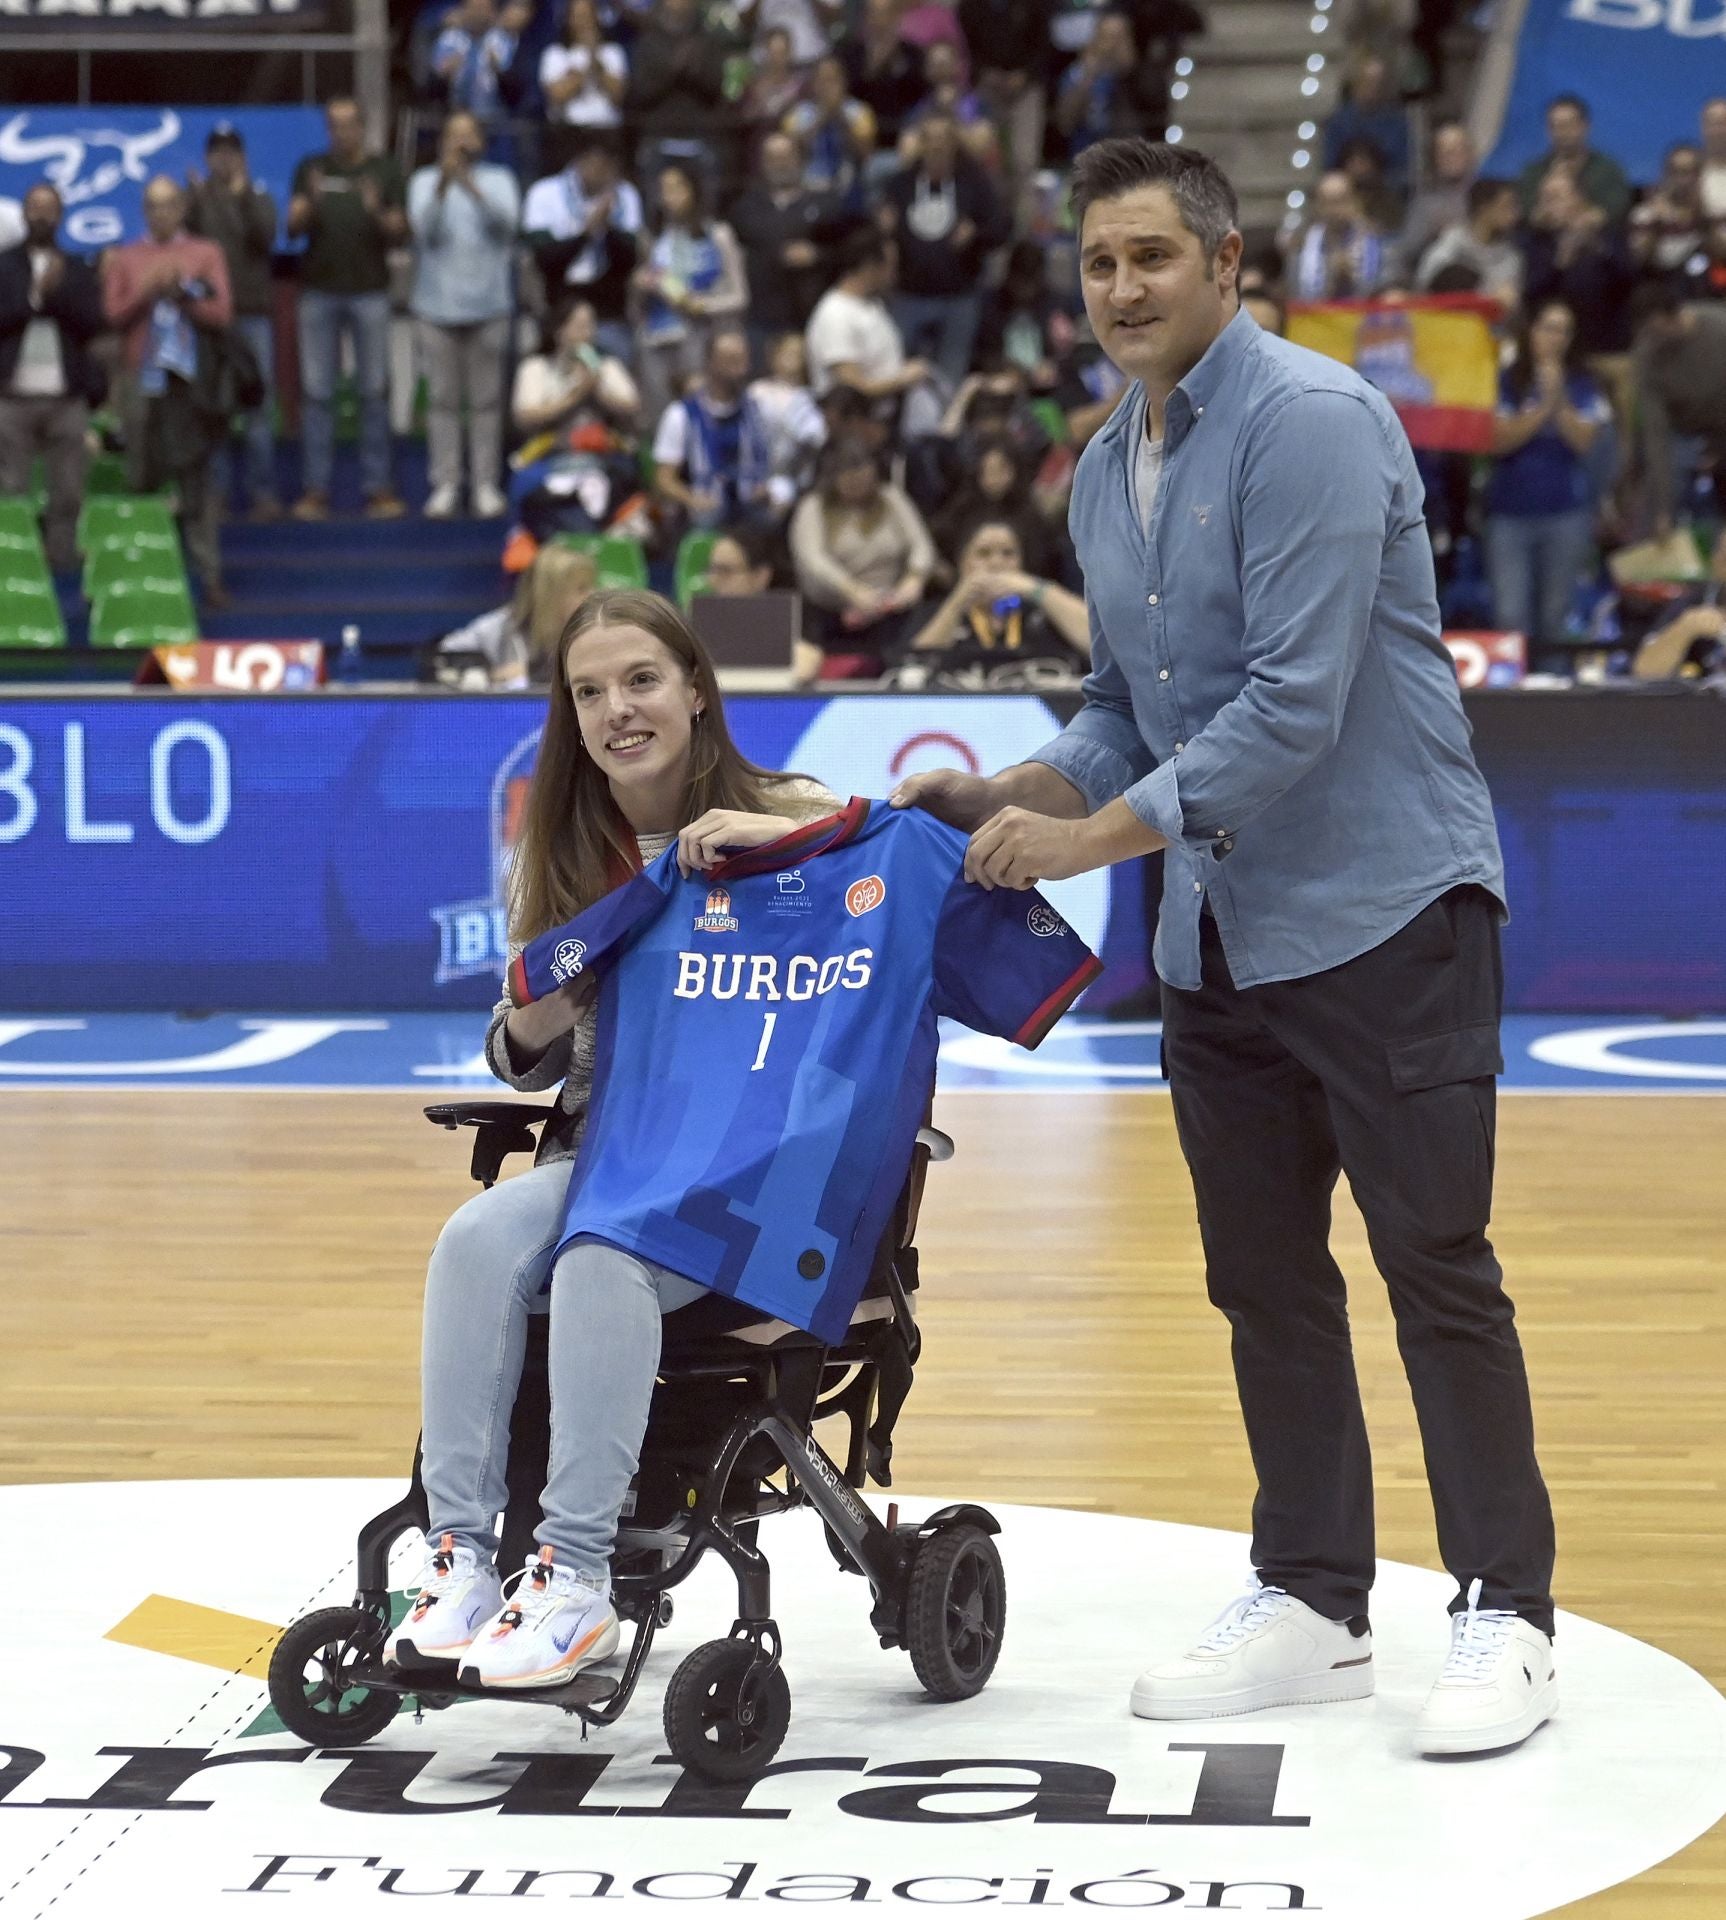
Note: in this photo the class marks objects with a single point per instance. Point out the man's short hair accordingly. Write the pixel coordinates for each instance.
(224, 134)
(1574, 100)
(867, 247)
(1485, 190)
(1201, 191)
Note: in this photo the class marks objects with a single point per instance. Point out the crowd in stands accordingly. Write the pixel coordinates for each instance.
(795, 272)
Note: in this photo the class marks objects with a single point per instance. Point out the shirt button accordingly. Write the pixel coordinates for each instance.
(1152, 600)
(1180, 746)
(1221, 832)
(1162, 673)
(1198, 413)
(1198, 886)
(1228, 846)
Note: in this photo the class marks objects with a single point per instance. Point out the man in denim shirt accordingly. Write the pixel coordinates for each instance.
(1270, 702)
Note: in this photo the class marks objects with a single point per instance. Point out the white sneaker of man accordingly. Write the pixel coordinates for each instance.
(457, 1594)
(1499, 1684)
(556, 1622)
(442, 503)
(489, 502)
(1266, 1649)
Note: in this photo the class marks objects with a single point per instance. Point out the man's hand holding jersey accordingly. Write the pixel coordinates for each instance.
(1027, 824)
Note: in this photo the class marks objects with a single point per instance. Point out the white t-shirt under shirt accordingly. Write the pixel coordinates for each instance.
(593, 106)
(1147, 472)
(846, 331)
(40, 372)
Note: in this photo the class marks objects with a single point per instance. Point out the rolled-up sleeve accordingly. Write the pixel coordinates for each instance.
(1100, 750)
(1311, 558)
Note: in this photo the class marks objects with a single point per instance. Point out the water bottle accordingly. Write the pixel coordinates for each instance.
(350, 664)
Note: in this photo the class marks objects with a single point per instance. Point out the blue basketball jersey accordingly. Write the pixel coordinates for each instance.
(766, 1045)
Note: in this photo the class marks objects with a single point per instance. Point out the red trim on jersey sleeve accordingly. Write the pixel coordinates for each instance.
(802, 843)
(1036, 1029)
(518, 988)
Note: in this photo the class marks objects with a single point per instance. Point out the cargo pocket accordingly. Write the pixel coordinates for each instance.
(1441, 1122)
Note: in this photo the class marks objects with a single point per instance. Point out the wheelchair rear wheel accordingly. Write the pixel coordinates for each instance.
(310, 1685)
(955, 1611)
(720, 1721)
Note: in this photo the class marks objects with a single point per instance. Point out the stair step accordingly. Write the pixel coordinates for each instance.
(1261, 29)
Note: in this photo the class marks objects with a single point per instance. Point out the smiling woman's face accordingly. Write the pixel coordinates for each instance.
(634, 703)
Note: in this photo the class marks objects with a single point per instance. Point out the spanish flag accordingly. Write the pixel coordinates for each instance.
(1433, 356)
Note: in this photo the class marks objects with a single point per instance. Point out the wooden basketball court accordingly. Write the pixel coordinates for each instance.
(214, 1284)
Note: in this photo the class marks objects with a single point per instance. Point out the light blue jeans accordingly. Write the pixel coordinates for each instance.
(487, 1275)
(1533, 562)
(324, 317)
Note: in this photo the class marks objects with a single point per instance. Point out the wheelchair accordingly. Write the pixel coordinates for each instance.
(730, 1442)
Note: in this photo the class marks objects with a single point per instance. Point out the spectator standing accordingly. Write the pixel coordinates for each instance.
(1482, 244)
(1010, 52)
(1572, 254)
(835, 133)
(943, 79)
(160, 293)
(863, 556)
(1669, 229)
(50, 311)
(1599, 178)
(1443, 202)
(883, 70)
(691, 278)
(583, 228)
(851, 337)
(1679, 380)
(777, 85)
(1339, 254)
(711, 453)
(1714, 159)
(463, 214)
(232, 209)
(783, 228)
(1371, 110)
(946, 218)
(676, 99)
(474, 53)
(347, 204)
(1111, 89)
(1541, 498)
(583, 76)
(791, 420)
(1024, 324)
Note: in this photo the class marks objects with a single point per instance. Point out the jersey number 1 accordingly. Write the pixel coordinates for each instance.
(766, 1041)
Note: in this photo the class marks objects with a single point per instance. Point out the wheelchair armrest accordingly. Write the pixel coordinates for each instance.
(502, 1127)
(939, 1144)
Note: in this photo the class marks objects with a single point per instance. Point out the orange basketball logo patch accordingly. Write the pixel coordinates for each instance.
(864, 896)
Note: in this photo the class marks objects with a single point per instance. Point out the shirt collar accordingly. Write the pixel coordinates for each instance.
(1195, 392)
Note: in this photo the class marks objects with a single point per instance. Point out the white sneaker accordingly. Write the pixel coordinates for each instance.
(1266, 1649)
(1498, 1685)
(442, 503)
(554, 1624)
(488, 502)
(457, 1594)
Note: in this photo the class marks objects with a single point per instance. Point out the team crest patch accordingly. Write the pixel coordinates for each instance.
(864, 896)
(566, 961)
(718, 917)
(1043, 921)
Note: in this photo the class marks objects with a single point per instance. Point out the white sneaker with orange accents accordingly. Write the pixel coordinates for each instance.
(556, 1622)
(457, 1593)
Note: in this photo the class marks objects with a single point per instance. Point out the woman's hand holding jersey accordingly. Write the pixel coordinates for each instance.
(721, 830)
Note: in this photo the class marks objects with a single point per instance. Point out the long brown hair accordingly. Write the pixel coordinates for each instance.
(575, 844)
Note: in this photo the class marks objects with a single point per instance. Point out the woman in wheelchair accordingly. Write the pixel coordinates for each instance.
(635, 755)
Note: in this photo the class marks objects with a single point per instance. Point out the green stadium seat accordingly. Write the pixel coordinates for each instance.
(143, 613)
(131, 519)
(29, 611)
(106, 475)
(1052, 420)
(18, 529)
(108, 567)
(691, 570)
(622, 563)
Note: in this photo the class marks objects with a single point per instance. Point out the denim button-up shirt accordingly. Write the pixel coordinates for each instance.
(1268, 686)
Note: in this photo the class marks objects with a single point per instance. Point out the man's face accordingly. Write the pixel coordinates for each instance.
(1683, 174)
(1114, 40)
(346, 129)
(1501, 213)
(828, 85)
(1452, 154)
(940, 66)
(780, 166)
(593, 170)
(1567, 130)
(1154, 302)
(226, 163)
(940, 144)
(1714, 129)
(41, 216)
(462, 139)
(1558, 203)
(728, 363)
(1334, 203)
(164, 208)
(677, 15)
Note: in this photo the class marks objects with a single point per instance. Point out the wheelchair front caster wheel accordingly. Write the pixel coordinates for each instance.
(955, 1611)
(722, 1721)
(311, 1687)
(666, 1608)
